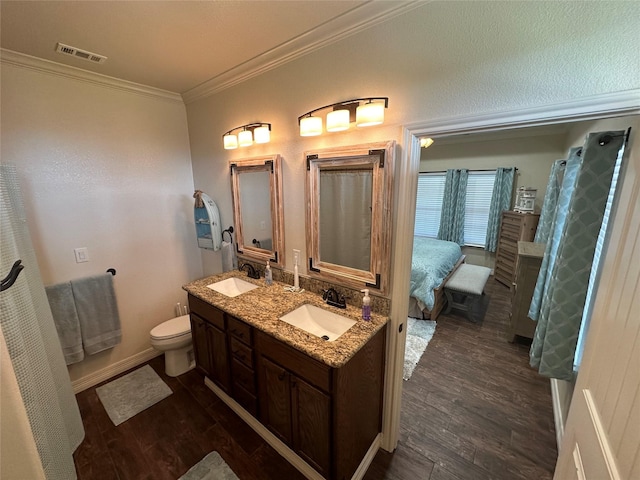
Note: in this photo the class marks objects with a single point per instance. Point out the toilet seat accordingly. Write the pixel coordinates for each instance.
(176, 327)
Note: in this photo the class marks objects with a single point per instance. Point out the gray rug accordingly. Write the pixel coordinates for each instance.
(419, 332)
(129, 395)
(211, 467)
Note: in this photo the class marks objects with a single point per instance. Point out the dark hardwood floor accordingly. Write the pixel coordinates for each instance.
(472, 410)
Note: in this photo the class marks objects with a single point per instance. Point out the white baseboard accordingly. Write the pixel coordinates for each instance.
(561, 392)
(279, 446)
(106, 373)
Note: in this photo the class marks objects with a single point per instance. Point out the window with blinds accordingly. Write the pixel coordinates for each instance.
(476, 212)
(429, 205)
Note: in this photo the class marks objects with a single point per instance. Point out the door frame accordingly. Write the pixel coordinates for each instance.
(583, 109)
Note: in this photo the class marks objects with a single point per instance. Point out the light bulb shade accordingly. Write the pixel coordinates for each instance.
(230, 141)
(310, 126)
(245, 138)
(426, 142)
(262, 134)
(370, 114)
(338, 120)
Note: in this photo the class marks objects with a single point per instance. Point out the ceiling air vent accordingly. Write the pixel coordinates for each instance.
(83, 54)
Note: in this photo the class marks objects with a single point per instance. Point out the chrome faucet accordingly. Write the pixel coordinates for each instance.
(333, 298)
(251, 272)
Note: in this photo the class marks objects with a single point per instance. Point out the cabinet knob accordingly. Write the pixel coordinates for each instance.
(282, 376)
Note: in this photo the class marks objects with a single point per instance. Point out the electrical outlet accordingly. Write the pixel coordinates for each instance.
(82, 255)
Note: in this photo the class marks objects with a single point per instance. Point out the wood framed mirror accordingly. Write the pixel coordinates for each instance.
(256, 189)
(348, 219)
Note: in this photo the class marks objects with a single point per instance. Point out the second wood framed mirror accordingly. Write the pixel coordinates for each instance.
(348, 196)
(256, 188)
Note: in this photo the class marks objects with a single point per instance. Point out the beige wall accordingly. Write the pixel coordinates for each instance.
(109, 170)
(438, 61)
(532, 156)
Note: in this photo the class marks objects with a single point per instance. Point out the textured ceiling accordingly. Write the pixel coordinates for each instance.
(180, 45)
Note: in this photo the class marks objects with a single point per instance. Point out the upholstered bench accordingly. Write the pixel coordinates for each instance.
(465, 288)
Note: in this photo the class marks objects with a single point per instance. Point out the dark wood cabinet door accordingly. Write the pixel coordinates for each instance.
(311, 416)
(275, 399)
(200, 344)
(219, 371)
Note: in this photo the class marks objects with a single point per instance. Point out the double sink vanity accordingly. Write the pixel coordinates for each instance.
(305, 375)
(320, 398)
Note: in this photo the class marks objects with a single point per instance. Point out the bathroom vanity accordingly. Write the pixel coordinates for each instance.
(318, 401)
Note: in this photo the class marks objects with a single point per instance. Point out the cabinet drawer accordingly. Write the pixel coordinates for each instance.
(503, 277)
(243, 377)
(507, 258)
(511, 232)
(511, 218)
(246, 400)
(239, 329)
(241, 352)
(313, 371)
(508, 246)
(207, 311)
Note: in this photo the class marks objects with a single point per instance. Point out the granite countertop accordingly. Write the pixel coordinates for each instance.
(262, 307)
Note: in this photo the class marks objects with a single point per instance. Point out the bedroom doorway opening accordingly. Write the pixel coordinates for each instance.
(459, 131)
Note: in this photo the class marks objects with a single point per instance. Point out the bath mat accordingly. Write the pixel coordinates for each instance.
(129, 395)
(419, 332)
(211, 467)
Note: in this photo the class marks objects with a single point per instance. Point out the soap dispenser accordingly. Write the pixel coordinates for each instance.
(366, 305)
(268, 276)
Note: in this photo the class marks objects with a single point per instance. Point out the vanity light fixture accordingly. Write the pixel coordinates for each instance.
(248, 134)
(364, 112)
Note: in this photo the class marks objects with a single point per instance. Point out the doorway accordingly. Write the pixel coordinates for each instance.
(595, 108)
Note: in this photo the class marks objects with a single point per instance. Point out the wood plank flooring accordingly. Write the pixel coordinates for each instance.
(473, 410)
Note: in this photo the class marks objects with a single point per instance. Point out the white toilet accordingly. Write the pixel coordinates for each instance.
(173, 337)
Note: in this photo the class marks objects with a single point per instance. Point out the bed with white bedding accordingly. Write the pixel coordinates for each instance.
(432, 263)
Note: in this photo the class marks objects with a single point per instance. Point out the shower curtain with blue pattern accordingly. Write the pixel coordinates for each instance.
(561, 289)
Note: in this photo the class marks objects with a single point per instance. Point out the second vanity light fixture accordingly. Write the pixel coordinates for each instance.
(365, 112)
(248, 134)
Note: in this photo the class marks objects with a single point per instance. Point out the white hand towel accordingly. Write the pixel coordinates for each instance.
(229, 259)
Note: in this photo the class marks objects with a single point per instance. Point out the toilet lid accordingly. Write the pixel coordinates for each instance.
(172, 328)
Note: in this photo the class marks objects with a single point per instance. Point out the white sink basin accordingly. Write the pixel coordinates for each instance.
(318, 321)
(232, 287)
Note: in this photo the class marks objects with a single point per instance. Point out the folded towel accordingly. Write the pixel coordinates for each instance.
(229, 259)
(66, 320)
(97, 308)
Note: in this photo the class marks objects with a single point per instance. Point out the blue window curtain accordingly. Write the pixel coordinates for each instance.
(500, 201)
(453, 206)
(557, 224)
(550, 202)
(570, 252)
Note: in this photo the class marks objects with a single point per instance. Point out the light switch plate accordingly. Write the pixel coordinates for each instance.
(82, 255)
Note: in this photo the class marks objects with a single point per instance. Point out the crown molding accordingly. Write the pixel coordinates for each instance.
(9, 57)
(614, 104)
(354, 21)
